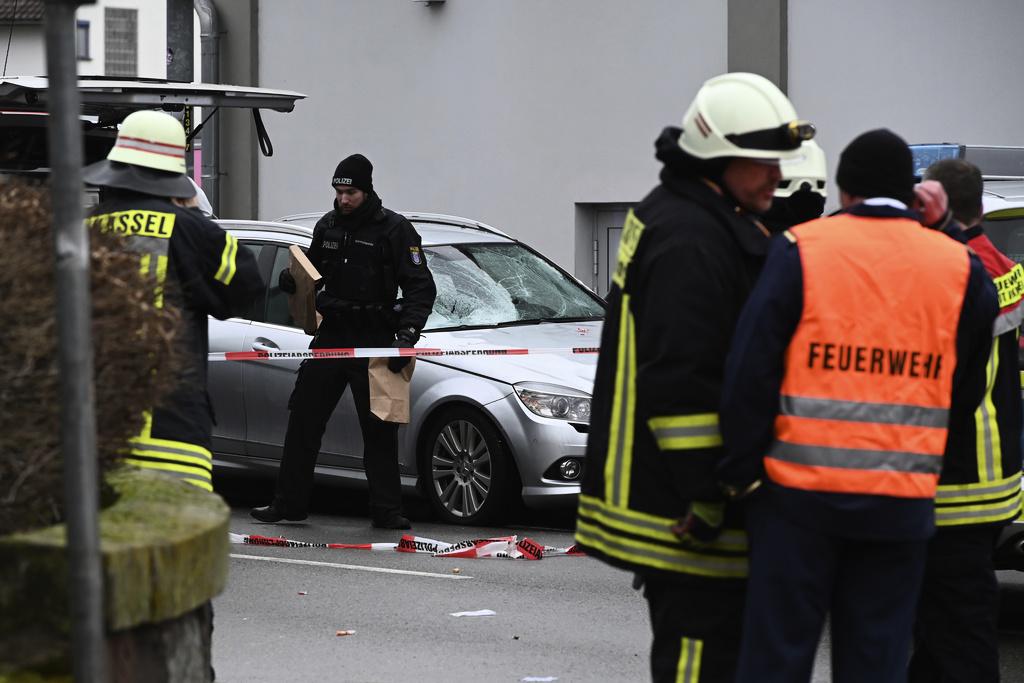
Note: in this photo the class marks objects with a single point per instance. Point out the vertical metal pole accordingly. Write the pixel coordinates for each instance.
(209, 27)
(74, 343)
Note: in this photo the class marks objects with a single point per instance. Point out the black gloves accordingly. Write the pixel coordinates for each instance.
(286, 282)
(404, 339)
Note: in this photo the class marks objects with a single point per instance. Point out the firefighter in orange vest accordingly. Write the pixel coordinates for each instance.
(955, 637)
(864, 335)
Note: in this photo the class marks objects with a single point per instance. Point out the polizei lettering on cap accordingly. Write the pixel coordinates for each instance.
(873, 360)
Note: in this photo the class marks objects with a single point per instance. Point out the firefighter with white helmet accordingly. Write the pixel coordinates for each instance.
(689, 255)
(801, 194)
(195, 266)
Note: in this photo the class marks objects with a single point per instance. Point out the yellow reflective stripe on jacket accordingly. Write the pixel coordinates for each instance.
(682, 432)
(659, 556)
(161, 279)
(632, 230)
(619, 462)
(190, 476)
(985, 513)
(1010, 286)
(227, 260)
(688, 670)
(651, 526)
(978, 491)
(989, 449)
(978, 503)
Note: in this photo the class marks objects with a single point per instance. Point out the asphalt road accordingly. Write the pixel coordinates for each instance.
(562, 618)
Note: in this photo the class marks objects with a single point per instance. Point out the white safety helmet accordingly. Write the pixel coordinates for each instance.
(151, 139)
(148, 156)
(808, 168)
(742, 115)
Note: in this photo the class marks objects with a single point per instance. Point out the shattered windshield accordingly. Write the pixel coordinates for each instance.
(494, 284)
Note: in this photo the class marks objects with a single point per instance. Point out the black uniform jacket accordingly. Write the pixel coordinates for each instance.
(363, 267)
(201, 269)
(687, 260)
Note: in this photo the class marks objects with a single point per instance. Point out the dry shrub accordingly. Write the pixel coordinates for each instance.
(135, 358)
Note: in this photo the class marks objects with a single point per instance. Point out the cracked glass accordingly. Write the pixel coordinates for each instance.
(480, 285)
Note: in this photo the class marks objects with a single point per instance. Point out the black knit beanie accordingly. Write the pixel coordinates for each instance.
(877, 163)
(355, 170)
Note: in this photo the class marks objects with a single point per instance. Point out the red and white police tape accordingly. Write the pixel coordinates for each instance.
(389, 352)
(504, 547)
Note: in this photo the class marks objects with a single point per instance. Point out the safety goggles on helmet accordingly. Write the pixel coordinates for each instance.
(788, 136)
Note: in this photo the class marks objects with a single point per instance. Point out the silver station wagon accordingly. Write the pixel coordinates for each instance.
(485, 430)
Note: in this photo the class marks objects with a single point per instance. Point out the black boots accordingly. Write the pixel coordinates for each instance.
(275, 513)
(393, 520)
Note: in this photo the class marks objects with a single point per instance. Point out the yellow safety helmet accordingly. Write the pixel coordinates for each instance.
(148, 156)
(742, 115)
(151, 139)
(808, 169)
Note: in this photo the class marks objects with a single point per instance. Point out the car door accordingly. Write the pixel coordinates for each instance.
(269, 384)
(225, 378)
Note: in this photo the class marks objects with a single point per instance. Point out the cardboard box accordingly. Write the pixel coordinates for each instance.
(302, 304)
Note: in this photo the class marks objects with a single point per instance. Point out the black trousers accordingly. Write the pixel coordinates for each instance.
(696, 629)
(318, 388)
(956, 636)
(799, 575)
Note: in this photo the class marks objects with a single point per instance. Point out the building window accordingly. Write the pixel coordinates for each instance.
(82, 40)
(121, 37)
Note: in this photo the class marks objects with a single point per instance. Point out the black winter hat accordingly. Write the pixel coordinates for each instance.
(355, 170)
(877, 163)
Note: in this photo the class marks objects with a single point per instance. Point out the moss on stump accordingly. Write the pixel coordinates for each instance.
(165, 553)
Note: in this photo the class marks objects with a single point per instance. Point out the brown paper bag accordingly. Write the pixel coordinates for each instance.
(389, 391)
(302, 304)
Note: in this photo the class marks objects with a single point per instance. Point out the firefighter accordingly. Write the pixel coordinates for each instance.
(196, 266)
(801, 194)
(863, 340)
(955, 636)
(365, 254)
(689, 255)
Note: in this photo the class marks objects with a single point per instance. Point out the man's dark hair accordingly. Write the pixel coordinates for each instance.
(962, 182)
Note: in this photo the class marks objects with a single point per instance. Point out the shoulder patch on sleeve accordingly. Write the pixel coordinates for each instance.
(416, 256)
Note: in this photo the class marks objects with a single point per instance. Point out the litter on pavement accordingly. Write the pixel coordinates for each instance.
(475, 613)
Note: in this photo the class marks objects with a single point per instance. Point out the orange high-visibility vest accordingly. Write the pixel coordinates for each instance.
(869, 371)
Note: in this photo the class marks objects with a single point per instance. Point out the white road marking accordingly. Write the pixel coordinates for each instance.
(355, 567)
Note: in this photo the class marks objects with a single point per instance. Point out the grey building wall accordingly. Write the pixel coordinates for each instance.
(931, 70)
(509, 112)
(538, 116)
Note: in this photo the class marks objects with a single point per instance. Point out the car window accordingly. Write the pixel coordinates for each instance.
(1007, 235)
(261, 251)
(277, 301)
(494, 284)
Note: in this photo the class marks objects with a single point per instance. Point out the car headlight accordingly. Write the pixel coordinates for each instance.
(549, 400)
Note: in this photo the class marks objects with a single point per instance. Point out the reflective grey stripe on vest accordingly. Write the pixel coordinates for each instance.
(859, 411)
(856, 458)
(690, 562)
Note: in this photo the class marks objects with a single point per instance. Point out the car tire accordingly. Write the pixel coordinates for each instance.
(468, 473)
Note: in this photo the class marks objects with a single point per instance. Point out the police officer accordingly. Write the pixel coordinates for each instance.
(801, 194)
(365, 253)
(196, 266)
(865, 334)
(955, 636)
(689, 255)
